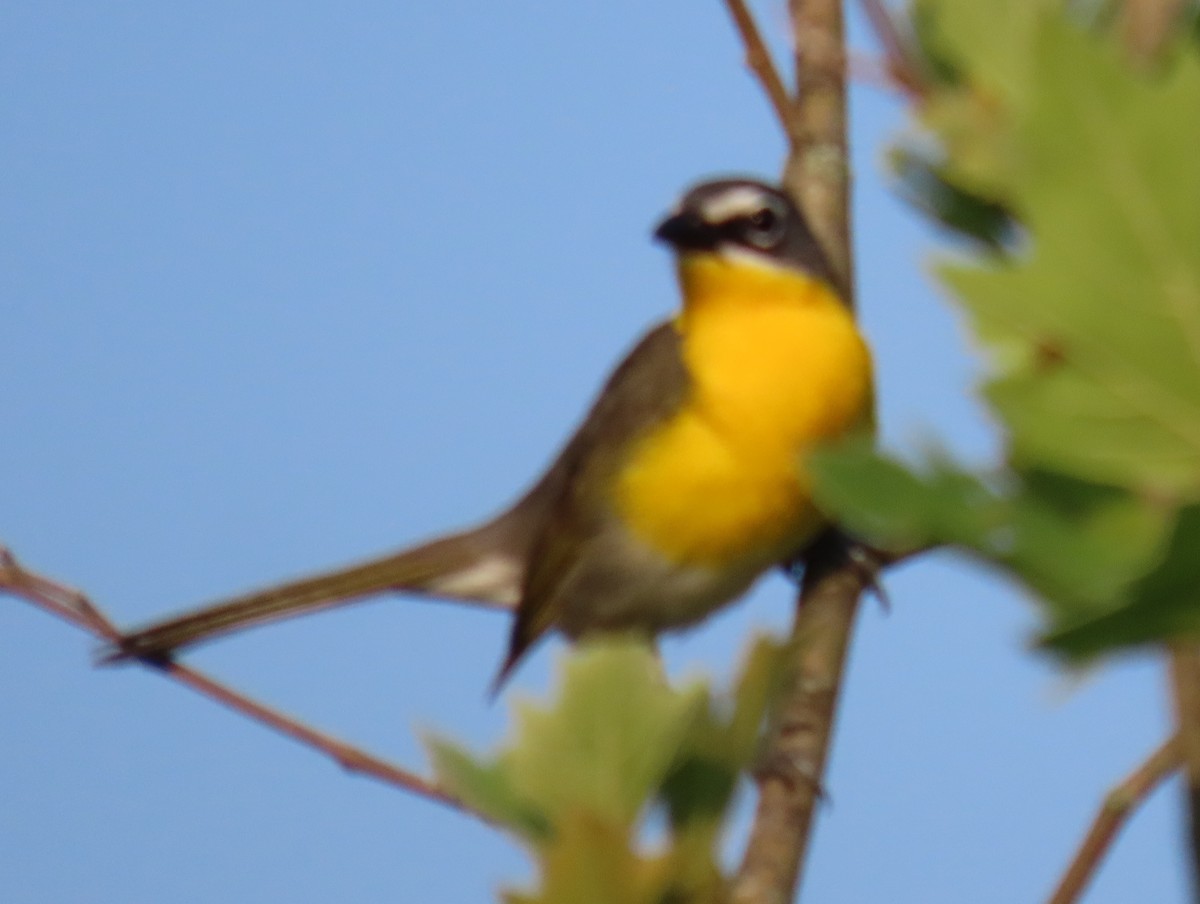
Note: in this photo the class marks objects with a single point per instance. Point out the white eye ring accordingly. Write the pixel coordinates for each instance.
(766, 225)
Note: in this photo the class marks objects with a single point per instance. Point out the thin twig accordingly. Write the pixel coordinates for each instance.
(758, 60)
(901, 65)
(348, 757)
(1117, 807)
(76, 608)
(1147, 25)
(1185, 682)
(66, 602)
(875, 73)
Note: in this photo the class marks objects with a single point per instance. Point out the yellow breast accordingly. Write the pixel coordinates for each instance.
(777, 367)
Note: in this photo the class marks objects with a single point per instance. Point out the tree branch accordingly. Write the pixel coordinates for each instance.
(797, 746)
(58, 599)
(817, 171)
(1117, 807)
(816, 174)
(1147, 25)
(76, 608)
(902, 68)
(758, 60)
(1185, 681)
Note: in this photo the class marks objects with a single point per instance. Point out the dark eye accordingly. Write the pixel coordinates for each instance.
(765, 228)
(763, 220)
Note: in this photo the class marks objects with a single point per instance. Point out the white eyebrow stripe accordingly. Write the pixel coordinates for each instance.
(732, 203)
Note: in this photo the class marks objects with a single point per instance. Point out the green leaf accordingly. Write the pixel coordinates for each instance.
(1095, 336)
(756, 688)
(609, 743)
(988, 47)
(604, 749)
(487, 789)
(698, 791)
(1163, 604)
(1091, 321)
(986, 43)
(930, 185)
(1082, 546)
(878, 500)
(591, 862)
(580, 774)
(1077, 544)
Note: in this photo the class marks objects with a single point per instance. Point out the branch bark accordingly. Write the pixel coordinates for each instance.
(817, 171)
(816, 174)
(1147, 25)
(797, 747)
(1185, 682)
(758, 60)
(1117, 807)
(902, 69)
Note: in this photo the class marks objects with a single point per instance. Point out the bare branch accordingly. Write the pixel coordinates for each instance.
(1185, 680)
(76, 608)
(1146, 25)
(797, 746)
(901, 67)
(758, 60)
(348, 757)
(790, 783)
(66, 602)
(817, 171)
(1117, 807)
(874, 72)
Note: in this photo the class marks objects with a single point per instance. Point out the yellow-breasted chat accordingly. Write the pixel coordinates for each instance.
(685, 481)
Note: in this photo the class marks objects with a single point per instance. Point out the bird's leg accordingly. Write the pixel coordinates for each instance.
(835, 546)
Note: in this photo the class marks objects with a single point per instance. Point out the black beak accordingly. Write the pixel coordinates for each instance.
(686, 231)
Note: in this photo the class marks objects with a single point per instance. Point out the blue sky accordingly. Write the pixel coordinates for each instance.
(285, 285)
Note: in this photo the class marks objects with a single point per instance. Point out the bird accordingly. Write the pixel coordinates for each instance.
(686, 480)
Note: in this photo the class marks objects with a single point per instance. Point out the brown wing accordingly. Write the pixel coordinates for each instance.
(646, 388)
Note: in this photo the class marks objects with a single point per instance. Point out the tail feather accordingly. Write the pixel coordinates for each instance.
(470, 565)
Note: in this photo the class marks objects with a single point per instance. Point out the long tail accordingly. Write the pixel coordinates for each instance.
(483, 565)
